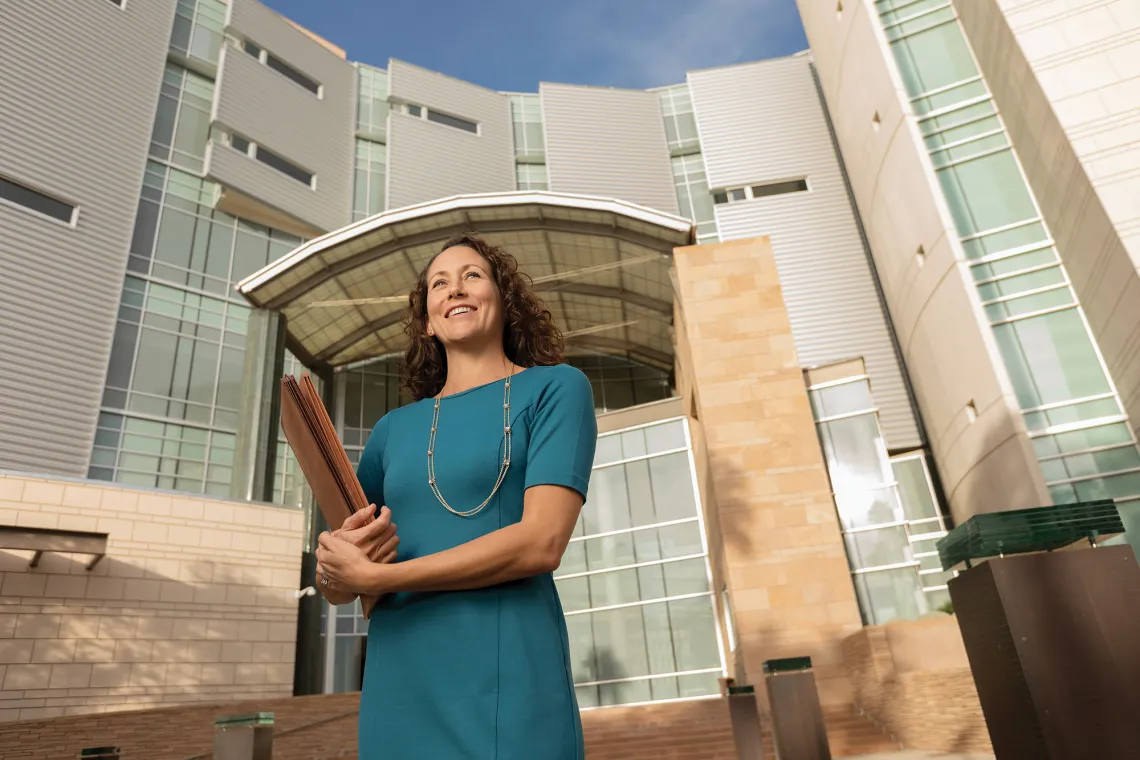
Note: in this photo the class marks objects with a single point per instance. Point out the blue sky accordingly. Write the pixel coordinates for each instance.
(511, 45)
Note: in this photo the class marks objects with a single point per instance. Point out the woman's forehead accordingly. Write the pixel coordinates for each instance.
(455, 258)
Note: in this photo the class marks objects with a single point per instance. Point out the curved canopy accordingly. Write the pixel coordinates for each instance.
(602, 267)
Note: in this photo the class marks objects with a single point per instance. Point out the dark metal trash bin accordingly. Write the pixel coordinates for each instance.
(747, 734)
(244, 737)
(798, 730)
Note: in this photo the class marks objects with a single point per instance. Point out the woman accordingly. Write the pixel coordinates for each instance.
(485, 473)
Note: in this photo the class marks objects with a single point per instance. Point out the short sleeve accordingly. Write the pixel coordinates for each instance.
(370, 470)
(563, 432)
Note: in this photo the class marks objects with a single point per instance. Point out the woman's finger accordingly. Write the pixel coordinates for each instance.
(389, 557)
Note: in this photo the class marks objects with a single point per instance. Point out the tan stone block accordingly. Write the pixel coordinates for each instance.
(284, 632)
(25, 677)
(138, 589)
(16, 650)
(23, 584)
(148, 674)
(204, 651)
(11, 489)
(117, 529)
(116, 627)
(266, 653)
(43, 492)
(149, 532)
(196, 571)
(185, 508)
(94, 650)
(250, 673)
(189, 536)
(253, 630)
(169, 651)
(210, 593)
(213, 538)
(183, 674)
(7, 625)
(163, 568)
(218, 674)
(35, 519)
(120, 500)
(106, 588)
(241, 596)
(281, 519)
(34, 626)
(83, 497)
(190, 628)
(110, 675)
(66, 586)
(132, 650)
(222, 630)
(54, 650)
(40, 713)
(154, 504)
(235, 651)
(216, 511)
(274, 546)
(69, 677)
(155, 628)
(279, 673)
(176, 591)
(275, 597)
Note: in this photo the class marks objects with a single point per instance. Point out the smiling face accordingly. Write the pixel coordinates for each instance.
(464, 306)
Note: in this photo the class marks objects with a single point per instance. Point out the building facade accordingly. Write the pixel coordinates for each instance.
(950, 275)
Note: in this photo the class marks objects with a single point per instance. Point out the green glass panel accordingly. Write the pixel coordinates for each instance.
(1037, 302)
(986, 193)
(1005, 240)
(1018, 263)
(933, 59)
(1042, 278)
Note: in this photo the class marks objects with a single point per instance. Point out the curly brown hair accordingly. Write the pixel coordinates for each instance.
(530, 337)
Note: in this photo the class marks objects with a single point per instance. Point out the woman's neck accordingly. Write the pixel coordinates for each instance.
(466, 371)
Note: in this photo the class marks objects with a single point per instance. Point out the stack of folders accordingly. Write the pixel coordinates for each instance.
(322, 458)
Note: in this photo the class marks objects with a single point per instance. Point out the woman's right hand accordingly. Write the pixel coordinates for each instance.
(376, 537)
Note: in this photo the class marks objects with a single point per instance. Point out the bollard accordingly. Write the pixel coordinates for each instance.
(798, 730)
(244, 737)
(745, 717)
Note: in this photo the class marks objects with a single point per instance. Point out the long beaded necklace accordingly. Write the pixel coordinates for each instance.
(502, 467)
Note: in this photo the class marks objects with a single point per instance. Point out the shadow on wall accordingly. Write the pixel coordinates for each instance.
(138, 633)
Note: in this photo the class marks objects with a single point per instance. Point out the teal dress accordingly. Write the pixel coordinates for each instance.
(481, 674)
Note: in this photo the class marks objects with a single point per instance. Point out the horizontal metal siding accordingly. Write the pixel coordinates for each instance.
(763, 122)
(426, 160)
(607, 142)
(270, 109)
(77, 103)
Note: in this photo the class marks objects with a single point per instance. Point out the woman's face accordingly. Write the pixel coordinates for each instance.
(463, 303)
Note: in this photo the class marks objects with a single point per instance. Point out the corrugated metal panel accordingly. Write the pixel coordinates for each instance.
(77, 102)
(266, 107)
(426, 160)
(763, 122)
(607, 142)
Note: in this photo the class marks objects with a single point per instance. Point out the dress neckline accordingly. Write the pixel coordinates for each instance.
(485, 385)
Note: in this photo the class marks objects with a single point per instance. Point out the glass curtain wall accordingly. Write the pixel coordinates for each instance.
(530, 143)
(369, 189)
(172, 396)
(1077, 423)
(635, 582)
(887, 509)
(689, 176)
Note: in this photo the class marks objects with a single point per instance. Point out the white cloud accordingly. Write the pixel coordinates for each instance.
(647, 43)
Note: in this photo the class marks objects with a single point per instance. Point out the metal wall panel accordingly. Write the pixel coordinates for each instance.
(426, 160)
(265, 106)
(763, 122)
(77, 103)
(607, 142)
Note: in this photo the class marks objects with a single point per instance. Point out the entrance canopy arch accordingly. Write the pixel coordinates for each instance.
(602, 267)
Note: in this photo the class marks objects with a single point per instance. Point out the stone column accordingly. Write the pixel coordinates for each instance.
(783, 558)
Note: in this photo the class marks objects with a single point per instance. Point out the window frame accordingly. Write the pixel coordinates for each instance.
(282, 68)
(73, 219)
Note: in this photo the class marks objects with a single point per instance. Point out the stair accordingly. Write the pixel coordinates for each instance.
(849, 734)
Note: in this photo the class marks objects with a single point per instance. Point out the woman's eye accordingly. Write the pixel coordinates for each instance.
(472, 274)
(437, 283)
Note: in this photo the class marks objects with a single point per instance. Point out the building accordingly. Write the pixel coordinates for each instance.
(829, 304)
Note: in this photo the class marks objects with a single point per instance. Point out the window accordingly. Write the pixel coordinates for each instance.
(439, 117)
(680, 121)
(693, 196)
(198, 28)
(531, 177)
(271, 159)
(22, 195)
(278, 65)
(117, 2)
(737, 194)
(182, 122)
(526, 123)
(368, 188)
(371, 101)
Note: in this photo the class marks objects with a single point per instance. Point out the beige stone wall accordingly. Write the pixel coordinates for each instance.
(912, 678)
(951, 357)
(194, 601)
(1066, 77)
(783, 558)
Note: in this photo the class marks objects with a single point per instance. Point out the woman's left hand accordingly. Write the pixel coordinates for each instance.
(344, 564)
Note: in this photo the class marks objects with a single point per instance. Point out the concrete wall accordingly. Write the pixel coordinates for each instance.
(783, 557)
(913, 679)
(986, 464)
(193, 602)
(1066, 78)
